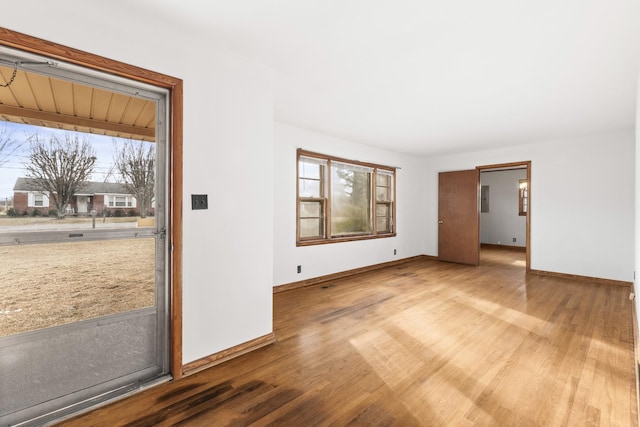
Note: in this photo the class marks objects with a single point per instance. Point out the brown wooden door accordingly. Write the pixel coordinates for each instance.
(458, 218)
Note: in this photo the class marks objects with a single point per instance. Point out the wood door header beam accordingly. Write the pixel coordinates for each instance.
(70, 55)
(505, 165)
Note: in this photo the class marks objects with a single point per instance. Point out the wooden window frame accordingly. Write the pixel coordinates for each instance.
(388, 202)
(321, 200)
(523, 197)
(325, 200)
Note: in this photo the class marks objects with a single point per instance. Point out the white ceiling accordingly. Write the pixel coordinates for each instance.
(427, 76)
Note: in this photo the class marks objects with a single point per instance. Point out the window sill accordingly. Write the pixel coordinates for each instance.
(343, 239)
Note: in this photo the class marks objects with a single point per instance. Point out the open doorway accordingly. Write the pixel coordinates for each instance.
(505, 215)
(59, 365)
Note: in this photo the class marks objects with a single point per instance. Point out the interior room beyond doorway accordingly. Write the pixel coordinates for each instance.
(504, 216)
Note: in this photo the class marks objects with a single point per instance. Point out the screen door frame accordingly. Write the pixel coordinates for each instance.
(169, 92)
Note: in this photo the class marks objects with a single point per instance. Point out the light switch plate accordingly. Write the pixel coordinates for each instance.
(199, 201)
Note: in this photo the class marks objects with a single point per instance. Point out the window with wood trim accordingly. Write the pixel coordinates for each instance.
(523, 197)
(384, 201)
(312, 198)
(343, 200)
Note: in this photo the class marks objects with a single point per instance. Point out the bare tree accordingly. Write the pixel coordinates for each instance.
(8, 145)
(135, 161)
(60, 167)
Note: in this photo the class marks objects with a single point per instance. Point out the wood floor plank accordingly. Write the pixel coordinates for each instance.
(423, 343)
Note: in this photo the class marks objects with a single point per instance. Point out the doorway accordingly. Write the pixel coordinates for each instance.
(505, 215)
(460, 204)
(82, 205)
(82, 321)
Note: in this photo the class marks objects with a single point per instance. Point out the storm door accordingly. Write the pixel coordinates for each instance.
(83, 248)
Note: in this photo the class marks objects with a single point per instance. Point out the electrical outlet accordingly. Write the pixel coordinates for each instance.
(394, 251)
(514, 240)
(299, 269)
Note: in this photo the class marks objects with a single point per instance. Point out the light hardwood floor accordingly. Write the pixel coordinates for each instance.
(422, 344)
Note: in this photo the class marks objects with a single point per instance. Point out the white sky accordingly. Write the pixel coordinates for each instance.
(14, 167)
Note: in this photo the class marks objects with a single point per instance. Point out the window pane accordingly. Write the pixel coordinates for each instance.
(382, 209)
(383, 224)
(383, 180)
(350, 200)
(309, 188)
(383, 194)
(384, 186)
(383, 218)
(311, 227)
(309, 170)
(310, 209)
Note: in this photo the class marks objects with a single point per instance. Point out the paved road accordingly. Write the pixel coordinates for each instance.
(65, 227)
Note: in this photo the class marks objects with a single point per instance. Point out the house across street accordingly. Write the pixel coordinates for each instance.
(104, 197)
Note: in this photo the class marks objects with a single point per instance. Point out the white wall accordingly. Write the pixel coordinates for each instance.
(582, 187)
(228, 251)
(503, 222)
(582, 201)
(228, 154)
(637, 207)
(326, 259)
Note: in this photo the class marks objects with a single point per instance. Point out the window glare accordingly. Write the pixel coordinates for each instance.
(310, 227)
(351, 201)
(310, 209)
(309, 188)
(309, 170)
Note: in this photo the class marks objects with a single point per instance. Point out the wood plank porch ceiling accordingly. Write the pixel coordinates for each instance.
(45, 101)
